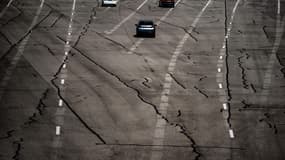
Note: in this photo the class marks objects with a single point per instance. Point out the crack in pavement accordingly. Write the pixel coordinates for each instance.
(19, 147)
(13, 18)
(86, 27)
(146, 80)
(6, 38)
(56, 20)
(252, 88)
(176, 81)
(8, 134)
(265, 32)
(139, 95)
(59, 94)
(202, 78)
(40, 108)
(47, 47)
(243, 77)
(270, 122)
(200, 91)
(185, 29)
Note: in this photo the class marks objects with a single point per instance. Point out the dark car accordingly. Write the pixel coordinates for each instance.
(167, 3)
(145, 28)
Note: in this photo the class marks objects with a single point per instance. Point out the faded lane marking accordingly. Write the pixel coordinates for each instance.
(272, 60)
(125, 19)
(138, 42)
(159, 133)
(6, 8)
(20, 51)
(220, 76)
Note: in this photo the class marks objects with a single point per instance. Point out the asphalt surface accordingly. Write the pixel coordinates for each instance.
(76, 83)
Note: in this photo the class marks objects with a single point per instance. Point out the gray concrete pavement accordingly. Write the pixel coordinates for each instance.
(210, 86)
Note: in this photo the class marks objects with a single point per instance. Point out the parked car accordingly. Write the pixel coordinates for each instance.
(167, 3)
(145, 28)
(112, 3)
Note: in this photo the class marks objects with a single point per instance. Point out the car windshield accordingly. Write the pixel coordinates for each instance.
(146, 23)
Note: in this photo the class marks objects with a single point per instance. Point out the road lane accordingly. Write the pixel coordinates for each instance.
(20, 51)
(126, 19)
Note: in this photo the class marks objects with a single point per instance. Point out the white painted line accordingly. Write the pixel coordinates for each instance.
(231, 132)
(220, 85)
(160, 127)
(225, 106)
(125, 19)
(66, 53)
(60, 102)
(64, 66)
(219, 70)
(62, 81)
(278, 11)
(5, 9)
(57, 130)
(221, 57)
(67, 42)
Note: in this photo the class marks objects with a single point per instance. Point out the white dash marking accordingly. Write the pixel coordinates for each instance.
(220, 85)
(60, 102)
(219, 70)
(231, 132)
(62, 81)
(225, 106)
(57, 130)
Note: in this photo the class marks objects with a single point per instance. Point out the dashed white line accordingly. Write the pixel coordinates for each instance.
(57, 130)
(231, 132)
(60, 103)
(220, 85)
(219, 75)
(225, 106)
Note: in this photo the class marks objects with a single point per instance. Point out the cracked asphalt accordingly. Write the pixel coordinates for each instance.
(210, 86)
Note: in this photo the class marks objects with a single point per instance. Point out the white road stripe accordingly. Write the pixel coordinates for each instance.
(20, 51)
(125, 19)
(231, 132)
(5, 9)
(278, 11)
(57, 130)
(159, 132)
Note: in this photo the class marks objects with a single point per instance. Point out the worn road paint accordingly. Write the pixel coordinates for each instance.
(159, 133)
